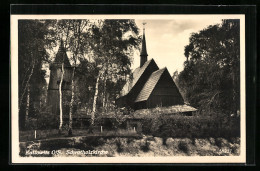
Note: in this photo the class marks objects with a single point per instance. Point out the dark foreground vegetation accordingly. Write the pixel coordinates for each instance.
(160, 136)
(192, 126)
(160, 125)
(157, 124)
(134, 146)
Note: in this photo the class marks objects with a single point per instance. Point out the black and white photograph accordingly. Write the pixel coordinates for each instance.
(128, 88)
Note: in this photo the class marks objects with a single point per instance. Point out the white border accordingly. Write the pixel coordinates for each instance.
(177, 159)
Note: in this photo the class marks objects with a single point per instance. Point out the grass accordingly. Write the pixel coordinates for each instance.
(54, 133)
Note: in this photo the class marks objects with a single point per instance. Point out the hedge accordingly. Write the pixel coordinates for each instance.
(192, 126)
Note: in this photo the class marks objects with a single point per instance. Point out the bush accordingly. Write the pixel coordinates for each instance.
(43, 121)
(146, 125)
(183, 146)
(119, 146)
(145, 147)
(191, 126)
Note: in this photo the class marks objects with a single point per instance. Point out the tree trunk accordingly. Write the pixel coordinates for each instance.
(95, 100)
(27, 106)
(77, 33)
(105, 77)
(26, 85)
(104, 96)
(60, 93)
(71, 102)
(107, 101)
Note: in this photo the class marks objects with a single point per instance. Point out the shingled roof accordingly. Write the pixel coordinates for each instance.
(136, 76)
(149, 85)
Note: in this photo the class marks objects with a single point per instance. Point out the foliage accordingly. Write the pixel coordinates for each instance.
(112, 46)
(118, 118)
(210, 79)
(145, 147)
(75, 34)
(32, 40)
(192, 126)
(89, 44)
(85, 75)
(183, 147)
(32, 43)
(104, 70)
(42, 121)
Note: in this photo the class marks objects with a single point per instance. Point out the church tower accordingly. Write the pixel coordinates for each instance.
(55, 76)
(143, 54)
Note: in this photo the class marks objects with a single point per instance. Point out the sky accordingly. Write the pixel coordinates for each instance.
(166, 36)
(166, 39)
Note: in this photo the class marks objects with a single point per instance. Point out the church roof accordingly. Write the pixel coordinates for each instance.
(138, 72)
(61, 56)
(149, 85)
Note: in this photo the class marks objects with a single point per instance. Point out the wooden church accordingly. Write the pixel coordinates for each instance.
(150, 86)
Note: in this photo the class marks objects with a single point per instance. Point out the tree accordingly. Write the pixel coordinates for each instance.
(85, 74)
(175, 75)
(100, 52)
(112, 45)
(32, 41)
(76, 36)
(60, 93)
(210, 78)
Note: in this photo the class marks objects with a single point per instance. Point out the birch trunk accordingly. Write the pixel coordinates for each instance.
(71, 101)
(95, 100)
(60, 93)
(27, 106)
(75, 58)
(104, 95)
(26, 85)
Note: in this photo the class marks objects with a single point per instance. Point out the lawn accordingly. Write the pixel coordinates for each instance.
(29, 135)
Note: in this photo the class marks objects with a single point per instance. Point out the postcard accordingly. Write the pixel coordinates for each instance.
(128, 89)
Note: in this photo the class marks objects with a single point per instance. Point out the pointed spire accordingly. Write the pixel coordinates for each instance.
(61, 48)
(143, 53)
(61, 56)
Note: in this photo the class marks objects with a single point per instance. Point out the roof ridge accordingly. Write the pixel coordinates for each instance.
(148, 61)
(144, 64)
(159, 70)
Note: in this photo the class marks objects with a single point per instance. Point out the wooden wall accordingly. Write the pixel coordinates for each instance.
(165, 93)
(55, 76)
(53, 89)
